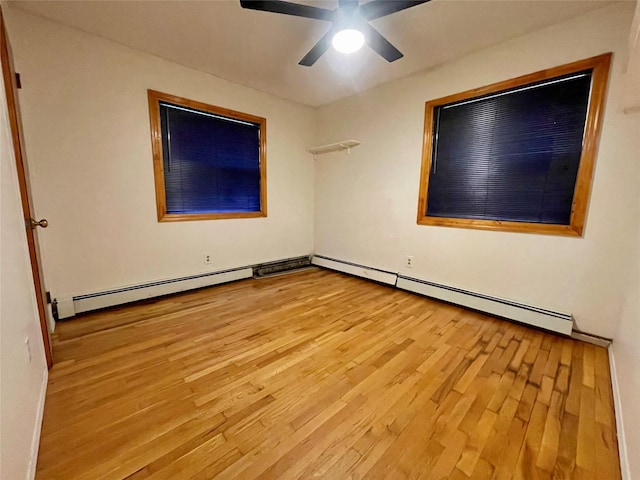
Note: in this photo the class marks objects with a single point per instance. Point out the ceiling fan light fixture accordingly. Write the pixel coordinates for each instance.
(349, 13)
(348, 40)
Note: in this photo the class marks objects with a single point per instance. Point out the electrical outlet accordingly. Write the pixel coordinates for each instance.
(206, 258)
(27, 346)
(408, 261)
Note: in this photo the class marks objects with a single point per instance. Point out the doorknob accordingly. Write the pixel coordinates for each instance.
(42, 223)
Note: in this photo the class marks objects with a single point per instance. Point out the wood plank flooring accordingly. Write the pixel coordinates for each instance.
(321, 375)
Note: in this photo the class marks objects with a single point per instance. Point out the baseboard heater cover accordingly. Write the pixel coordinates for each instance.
(363, 271)
(119, 296)
(281, 266)
(535, 316)
(546, 319)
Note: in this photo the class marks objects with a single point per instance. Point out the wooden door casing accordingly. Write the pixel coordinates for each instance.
(8, 73)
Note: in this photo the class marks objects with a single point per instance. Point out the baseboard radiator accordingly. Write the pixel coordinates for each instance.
(530, 315)
(281, 266)
(370, 273)
(95, 301)
(519, 312)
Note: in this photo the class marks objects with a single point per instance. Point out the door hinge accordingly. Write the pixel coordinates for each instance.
(18, 81)
(48, 297)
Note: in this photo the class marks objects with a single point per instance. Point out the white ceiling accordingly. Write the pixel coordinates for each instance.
(262, 50)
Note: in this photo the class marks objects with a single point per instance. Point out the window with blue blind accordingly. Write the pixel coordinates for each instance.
(517, 155)
(211, 161)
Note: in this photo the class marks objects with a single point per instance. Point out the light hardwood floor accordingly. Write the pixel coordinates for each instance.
(321, 375)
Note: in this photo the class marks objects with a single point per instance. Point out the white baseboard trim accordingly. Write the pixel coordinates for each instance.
(354, 269)
(94, 301)
(592, 339)
(535, 316)
(527, 314)
(66, 309)
(625, 468)
(35, 441)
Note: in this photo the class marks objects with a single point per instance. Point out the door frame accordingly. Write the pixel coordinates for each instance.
(10, 86)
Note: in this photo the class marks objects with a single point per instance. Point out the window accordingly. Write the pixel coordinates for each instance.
(209, 162)
(516, 155)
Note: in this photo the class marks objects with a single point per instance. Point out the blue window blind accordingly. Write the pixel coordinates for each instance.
(512, 155)
(211, 162)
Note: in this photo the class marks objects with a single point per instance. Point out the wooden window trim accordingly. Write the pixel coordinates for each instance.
(600, 65)
(155, 98)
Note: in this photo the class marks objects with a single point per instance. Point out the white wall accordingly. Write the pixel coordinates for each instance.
(625, 350)
(87, 131)
(22, 382)
(631, 96)
(366, 203)
(86, 119)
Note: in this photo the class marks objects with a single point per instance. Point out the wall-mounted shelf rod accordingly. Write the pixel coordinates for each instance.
(334, 147)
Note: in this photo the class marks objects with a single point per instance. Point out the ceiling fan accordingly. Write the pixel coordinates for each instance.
(350, 27)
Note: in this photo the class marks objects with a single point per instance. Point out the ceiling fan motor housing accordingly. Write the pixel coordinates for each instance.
(348, 15)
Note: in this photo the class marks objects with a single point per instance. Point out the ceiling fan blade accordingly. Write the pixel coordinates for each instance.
(318, 49)
(380, 45)
(288, 8)
(380, 8)
(347, 3)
